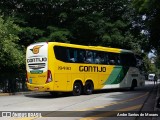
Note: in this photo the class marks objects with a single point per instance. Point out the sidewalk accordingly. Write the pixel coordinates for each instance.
(20, 93)
(156, 107)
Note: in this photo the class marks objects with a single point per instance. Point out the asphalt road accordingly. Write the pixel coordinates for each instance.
(100, 104)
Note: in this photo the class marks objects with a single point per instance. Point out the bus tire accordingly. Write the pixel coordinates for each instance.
(77, 89)
(88, 88)
(133, 85)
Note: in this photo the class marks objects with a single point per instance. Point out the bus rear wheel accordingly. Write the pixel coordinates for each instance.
(54, 94)
(77, 88)
(133, 85)
(88, 88)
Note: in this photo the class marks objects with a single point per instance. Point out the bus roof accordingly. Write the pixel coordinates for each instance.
(100, 48)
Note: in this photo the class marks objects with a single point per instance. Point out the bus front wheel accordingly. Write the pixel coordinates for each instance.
(88, 88)
(77, 88)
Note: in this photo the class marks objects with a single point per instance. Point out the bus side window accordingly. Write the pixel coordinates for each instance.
(123, 59)
(72, 55)
(106, 59)
(118, 61)
(114, 58)
(89, 57)
(61, 53)
(128, 59)
(99, 58)
(132, 60)
(80, 56)
(111, 59)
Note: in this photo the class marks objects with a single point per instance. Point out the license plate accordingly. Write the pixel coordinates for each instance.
(30, 81)
(36, 88)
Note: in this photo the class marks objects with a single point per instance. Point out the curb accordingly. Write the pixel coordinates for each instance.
(158, 96)
(5, 94)
(20, 93)
(156, 109)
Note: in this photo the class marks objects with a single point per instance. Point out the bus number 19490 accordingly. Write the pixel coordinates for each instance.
(64, 68)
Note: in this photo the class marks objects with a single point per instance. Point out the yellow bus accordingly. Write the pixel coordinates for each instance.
(63, 67)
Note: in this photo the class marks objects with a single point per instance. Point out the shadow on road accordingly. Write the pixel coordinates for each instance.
(47, 95)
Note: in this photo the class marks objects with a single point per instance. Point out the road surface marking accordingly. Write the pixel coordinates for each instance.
(25, 118)
(114, 103)
(93, 108)
(112, 113)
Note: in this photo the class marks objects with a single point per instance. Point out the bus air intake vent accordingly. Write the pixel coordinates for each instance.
(36, 66)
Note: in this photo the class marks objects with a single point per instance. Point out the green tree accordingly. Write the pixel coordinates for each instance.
(11, 54)
(54, 34)
(150, 10)
(89, 22)
(29, 35)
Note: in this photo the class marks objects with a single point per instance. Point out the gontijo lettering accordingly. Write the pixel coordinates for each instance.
(92, 69)
(31, 60)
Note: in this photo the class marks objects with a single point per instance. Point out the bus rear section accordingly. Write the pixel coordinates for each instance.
(38, 76)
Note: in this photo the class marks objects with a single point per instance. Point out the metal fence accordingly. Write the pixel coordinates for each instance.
(10, 83)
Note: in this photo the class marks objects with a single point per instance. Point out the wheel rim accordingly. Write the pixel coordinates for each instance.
(88, 88)
(77, 89)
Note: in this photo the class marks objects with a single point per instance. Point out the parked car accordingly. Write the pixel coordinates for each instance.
(151, 77)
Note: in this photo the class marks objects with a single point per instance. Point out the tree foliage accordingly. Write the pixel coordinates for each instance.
(150, 9)
(88, 22)
(11, 53)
